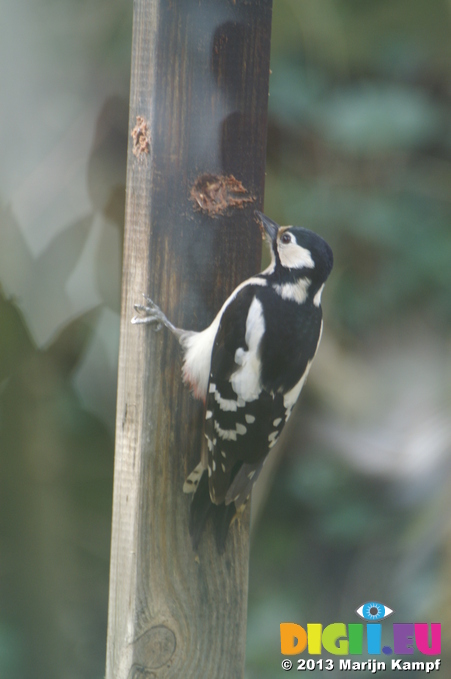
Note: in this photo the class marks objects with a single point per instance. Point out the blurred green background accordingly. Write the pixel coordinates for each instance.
(355, 505)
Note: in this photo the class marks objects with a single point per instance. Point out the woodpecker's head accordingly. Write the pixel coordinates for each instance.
(297, 250)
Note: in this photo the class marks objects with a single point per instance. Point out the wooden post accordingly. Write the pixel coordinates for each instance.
(196, 160)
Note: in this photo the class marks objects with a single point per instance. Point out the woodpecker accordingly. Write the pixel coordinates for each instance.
(249, 367)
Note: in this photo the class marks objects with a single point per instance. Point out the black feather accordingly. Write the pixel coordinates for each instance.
(202, 509)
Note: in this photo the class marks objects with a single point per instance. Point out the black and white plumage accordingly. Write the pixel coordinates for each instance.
(249, 367)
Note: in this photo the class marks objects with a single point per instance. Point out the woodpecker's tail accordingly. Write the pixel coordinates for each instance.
(202, 508)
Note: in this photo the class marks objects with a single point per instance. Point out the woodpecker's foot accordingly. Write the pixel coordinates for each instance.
(151, 313)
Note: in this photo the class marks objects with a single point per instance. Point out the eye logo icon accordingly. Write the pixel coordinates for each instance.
(374, 611)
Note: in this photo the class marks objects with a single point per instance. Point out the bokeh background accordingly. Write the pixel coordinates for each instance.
(356, 504)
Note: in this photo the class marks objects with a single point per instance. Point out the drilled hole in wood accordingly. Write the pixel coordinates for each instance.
(141, 137)
(213, 193)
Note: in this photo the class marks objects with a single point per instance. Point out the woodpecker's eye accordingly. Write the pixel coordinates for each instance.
(374, 611)
(286, 238)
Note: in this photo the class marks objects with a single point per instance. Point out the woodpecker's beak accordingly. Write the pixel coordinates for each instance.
(271, 228)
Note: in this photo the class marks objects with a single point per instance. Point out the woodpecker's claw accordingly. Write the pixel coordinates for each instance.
(153, 314)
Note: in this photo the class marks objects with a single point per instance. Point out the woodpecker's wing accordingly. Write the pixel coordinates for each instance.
(243, 420)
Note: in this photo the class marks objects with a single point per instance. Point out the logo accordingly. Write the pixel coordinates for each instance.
(340, 639)
(374, 611)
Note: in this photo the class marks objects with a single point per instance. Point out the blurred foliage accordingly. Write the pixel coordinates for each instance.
(61, 223)
(55, 502)
(359, 146)
(359, 151)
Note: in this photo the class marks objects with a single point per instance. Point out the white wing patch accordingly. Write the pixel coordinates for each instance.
(246, 379)
(198, 346)
(225, 434)
(226, 404)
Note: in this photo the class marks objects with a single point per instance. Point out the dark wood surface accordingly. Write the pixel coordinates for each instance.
(196, 160)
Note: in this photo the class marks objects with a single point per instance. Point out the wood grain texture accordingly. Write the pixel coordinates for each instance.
(200, 71)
